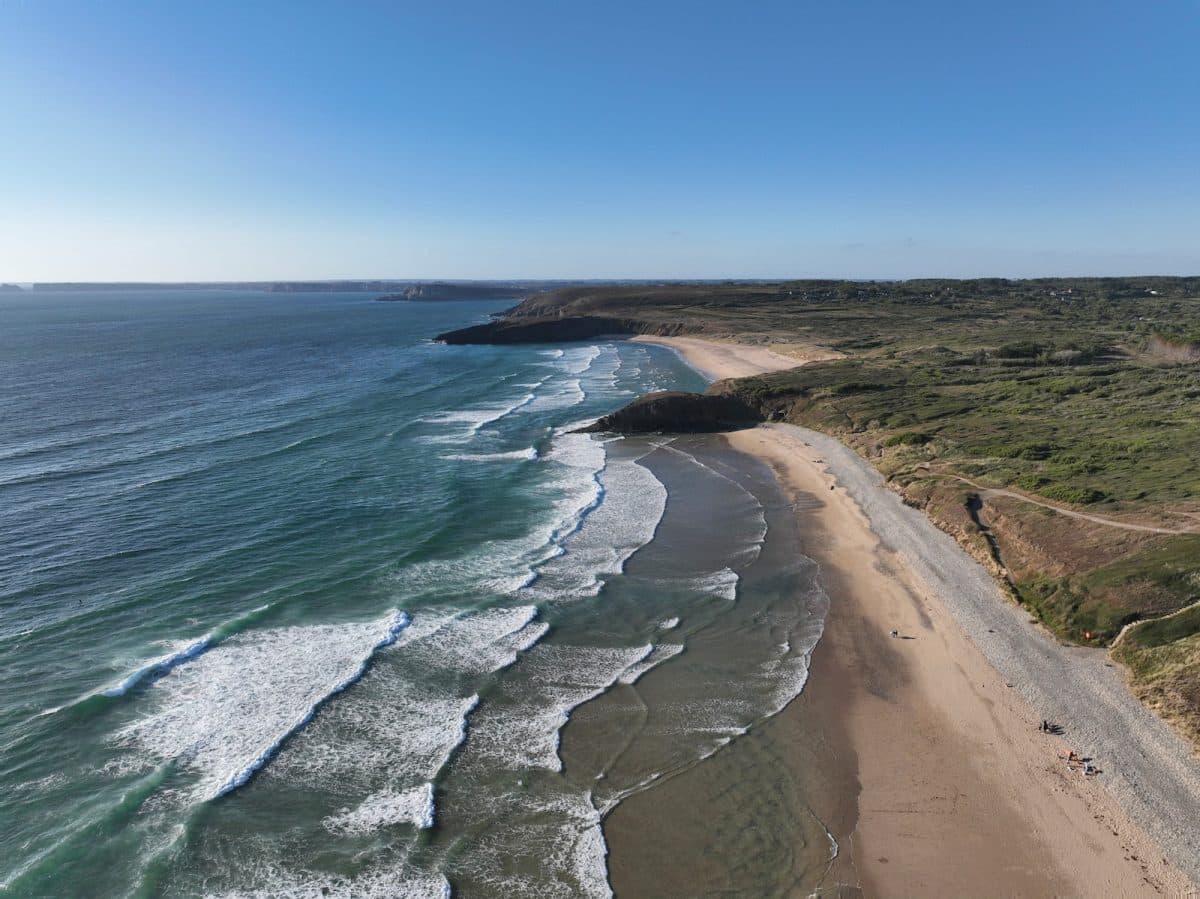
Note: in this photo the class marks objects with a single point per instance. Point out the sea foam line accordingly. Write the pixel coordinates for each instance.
(529, 454)
(163, 665)
(399, 621)
(159, 667)
(656, 657)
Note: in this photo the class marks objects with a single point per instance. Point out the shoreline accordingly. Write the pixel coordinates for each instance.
(974, 777)
(716, 361)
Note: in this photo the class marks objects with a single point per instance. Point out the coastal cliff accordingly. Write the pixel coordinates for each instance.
(582, 313)
(556, 329)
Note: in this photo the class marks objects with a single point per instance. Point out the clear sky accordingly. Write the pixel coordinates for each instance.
(863, 138)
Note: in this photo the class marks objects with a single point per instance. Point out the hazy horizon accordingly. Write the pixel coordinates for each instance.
(534, 279)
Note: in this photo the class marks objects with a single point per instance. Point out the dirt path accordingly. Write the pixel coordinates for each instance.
(1072, 513)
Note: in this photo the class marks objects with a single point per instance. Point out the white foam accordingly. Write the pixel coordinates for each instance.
(627, 520)
(477, 419)
(723, 583)
(400, 734)
(225, 715)
(622, 516)
(604, 374)
(184, 652)
(668, 624)
(528, 454)
(387, 882)
(393, 741)
(658, 655)
(386, 808)
(563, 394)
(501, 566)
(579, 360)
(551, 847)
(525, 734)
(572, 490)
(479, 642)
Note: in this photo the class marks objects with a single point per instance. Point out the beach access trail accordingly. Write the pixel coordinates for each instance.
(960, 793)
(986, 492)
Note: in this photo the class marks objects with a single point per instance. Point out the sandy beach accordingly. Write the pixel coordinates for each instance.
(937, 729)
(716, 360)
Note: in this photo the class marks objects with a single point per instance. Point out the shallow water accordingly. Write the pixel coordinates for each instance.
(296, 602)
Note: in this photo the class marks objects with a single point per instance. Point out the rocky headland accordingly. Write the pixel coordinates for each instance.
(678, 412)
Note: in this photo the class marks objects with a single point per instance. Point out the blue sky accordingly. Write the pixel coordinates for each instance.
(861, 138)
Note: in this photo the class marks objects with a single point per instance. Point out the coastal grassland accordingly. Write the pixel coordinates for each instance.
(980, 400)
(1110, 433)
(1163, 656)
(1112, 436)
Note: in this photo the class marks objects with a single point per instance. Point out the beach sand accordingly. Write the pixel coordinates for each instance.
(718, 360)
(926, 766)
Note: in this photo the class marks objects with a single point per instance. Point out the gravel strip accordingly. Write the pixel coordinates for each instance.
(1150, 770)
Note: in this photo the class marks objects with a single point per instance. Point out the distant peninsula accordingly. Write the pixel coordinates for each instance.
(407, 290)
(442, 291)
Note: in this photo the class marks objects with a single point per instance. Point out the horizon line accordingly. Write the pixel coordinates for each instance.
(676, 279)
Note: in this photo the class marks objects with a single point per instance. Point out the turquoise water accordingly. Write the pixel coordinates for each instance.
(294, 601)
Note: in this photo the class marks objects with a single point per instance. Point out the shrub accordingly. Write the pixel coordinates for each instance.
(908, 438)
(1024, 349)
(1069, 494)
(848, 387)
(1031, 482)
(1034, 452)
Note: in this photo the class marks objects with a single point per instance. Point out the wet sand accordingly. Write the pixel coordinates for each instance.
(924, 764)
(960, 794)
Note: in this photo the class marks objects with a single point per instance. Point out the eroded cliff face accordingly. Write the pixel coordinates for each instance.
(1173, 350)
(677, 412)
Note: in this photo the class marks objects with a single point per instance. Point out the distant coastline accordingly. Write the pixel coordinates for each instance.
(443, 291)
(392, 289)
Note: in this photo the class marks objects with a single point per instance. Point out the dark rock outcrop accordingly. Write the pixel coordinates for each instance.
(676, 412)
(511, 328)
(541, 330)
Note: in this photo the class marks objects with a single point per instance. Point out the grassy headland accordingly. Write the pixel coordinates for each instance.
(1052, 426)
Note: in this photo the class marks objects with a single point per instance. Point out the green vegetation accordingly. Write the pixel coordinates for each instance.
(1081, 496)
(1081, 393)
(907, 438)
(1162, 663)
(1161, 631)
(1117, 432)
(1072, 612)
(1102, 601)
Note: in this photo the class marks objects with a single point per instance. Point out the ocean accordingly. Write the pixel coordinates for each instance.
(296, 602)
